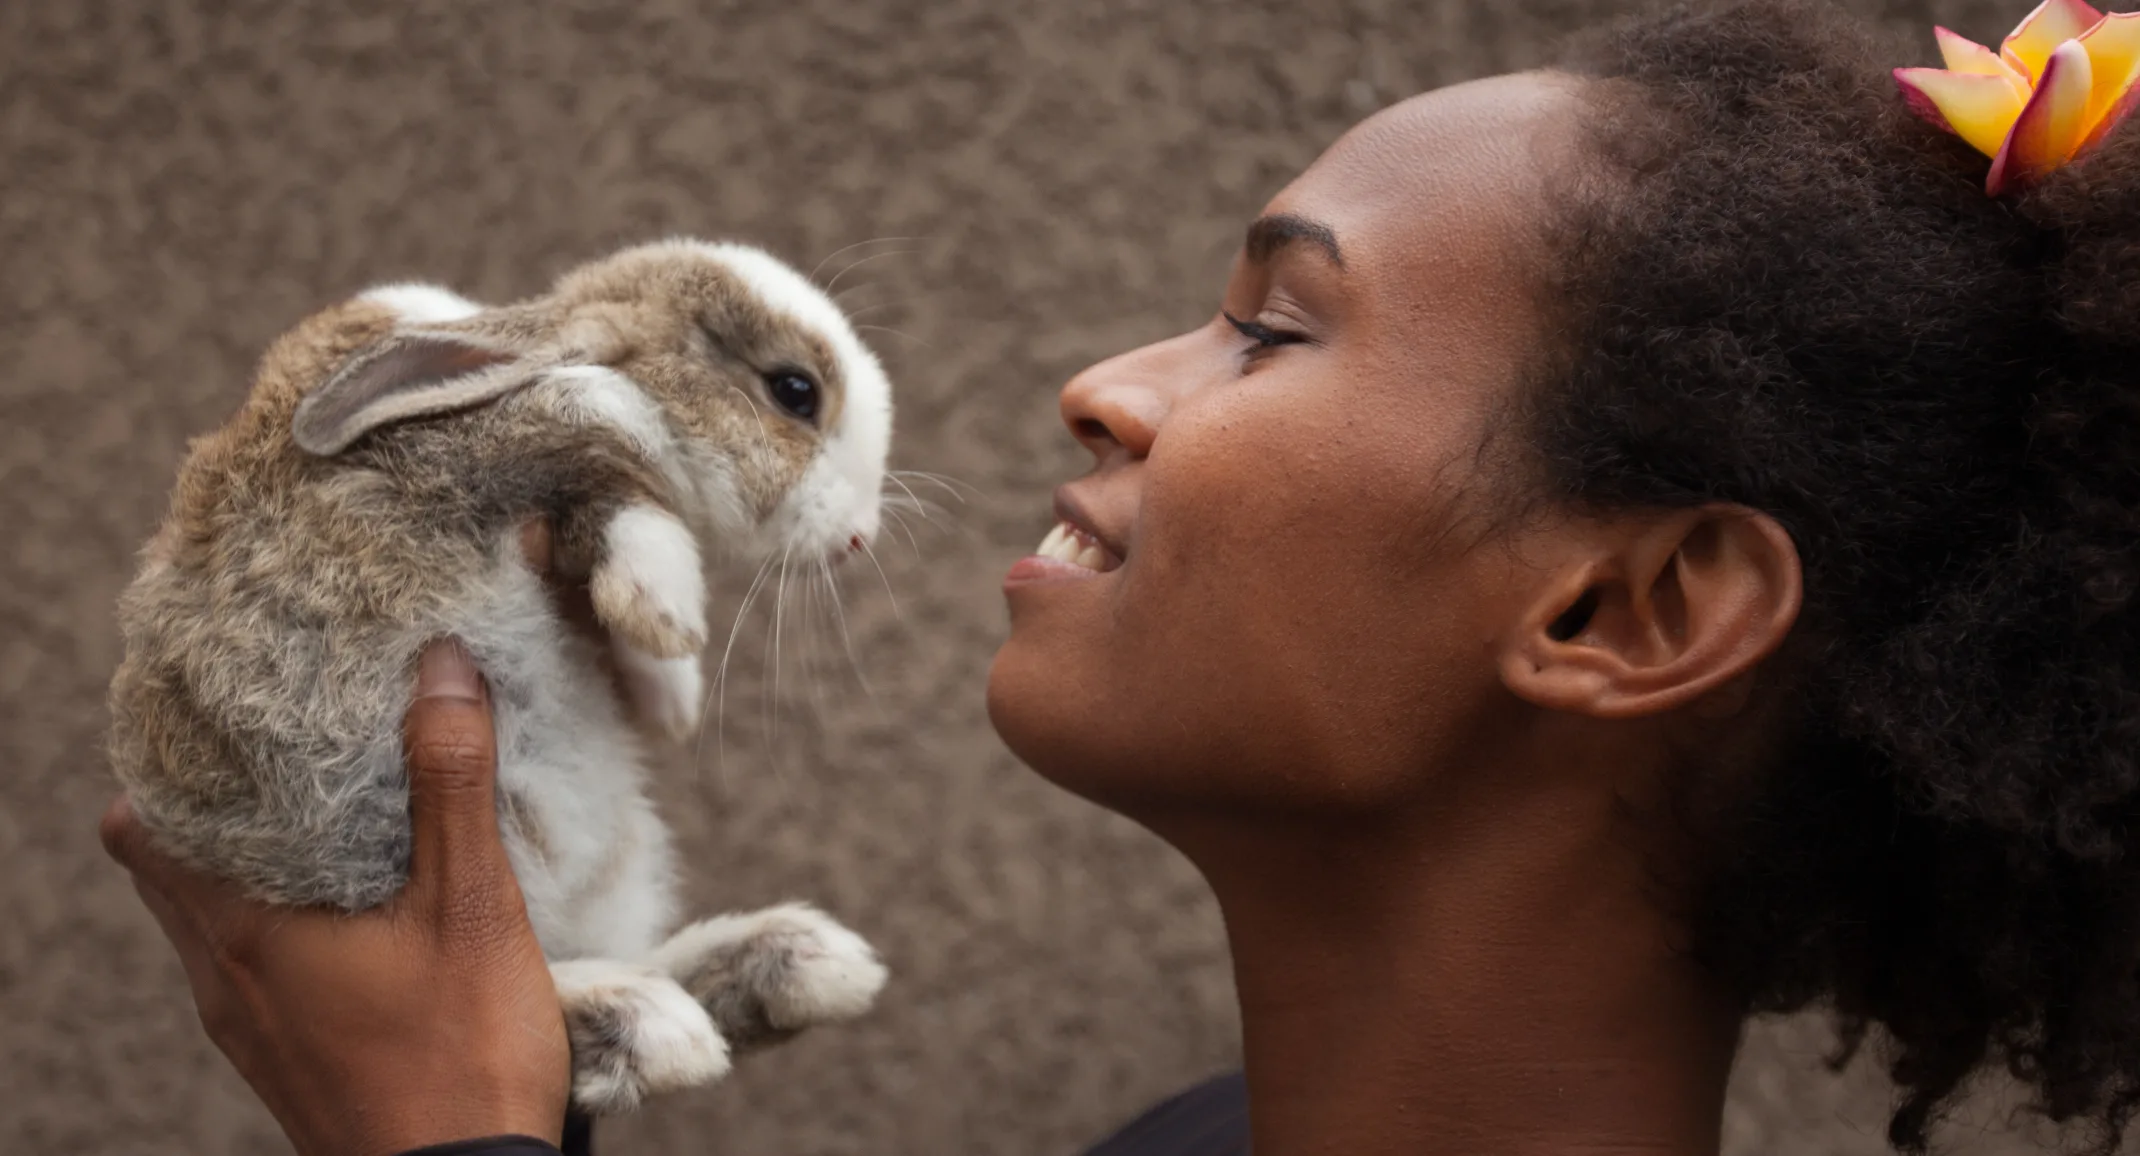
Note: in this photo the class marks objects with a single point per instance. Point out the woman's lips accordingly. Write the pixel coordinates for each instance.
(1066, 553)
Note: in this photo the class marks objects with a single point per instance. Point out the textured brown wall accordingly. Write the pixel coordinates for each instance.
(183, 180)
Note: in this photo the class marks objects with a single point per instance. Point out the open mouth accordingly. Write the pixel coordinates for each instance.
(1066, 543)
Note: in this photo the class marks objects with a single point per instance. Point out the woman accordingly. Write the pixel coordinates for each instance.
(1641, 544)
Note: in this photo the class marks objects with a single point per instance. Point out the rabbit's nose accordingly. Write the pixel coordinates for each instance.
(854, 546)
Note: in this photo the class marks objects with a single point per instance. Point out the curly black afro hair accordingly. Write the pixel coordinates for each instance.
(1812, 308)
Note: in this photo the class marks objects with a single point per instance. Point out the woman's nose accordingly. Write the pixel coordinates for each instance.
(1116, 407)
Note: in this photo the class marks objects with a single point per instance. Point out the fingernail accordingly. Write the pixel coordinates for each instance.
(447, 671)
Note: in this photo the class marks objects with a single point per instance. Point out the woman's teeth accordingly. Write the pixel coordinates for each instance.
(1066, 543)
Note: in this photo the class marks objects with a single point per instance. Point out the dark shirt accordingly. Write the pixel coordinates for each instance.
(1210, 1119)
(489, 1146)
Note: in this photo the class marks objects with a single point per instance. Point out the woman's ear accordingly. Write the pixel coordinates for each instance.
(1666, 613)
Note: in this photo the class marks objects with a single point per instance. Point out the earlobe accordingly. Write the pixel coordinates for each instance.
(1665, 613)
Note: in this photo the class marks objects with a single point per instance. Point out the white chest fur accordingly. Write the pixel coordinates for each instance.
(591, 855)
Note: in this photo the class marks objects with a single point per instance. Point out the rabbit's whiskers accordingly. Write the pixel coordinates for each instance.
(839, 616)
(947, 483)
(719, 691)
(769, 698)
(871, 554)
(829, 257)
(900, 333)
(855, 314)
(854, 265)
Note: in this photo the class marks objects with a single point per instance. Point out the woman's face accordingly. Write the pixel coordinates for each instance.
(1280, 584)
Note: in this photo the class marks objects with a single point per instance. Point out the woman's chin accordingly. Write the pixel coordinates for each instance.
(1046, 716)
(1023, 695)
(1098, 727)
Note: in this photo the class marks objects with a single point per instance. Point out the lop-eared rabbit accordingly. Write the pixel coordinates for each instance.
(668, 402)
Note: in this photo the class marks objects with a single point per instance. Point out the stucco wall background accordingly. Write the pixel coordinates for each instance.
(1040, 184)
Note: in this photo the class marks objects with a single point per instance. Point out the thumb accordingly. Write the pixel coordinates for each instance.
(127, 841)
(452, 756)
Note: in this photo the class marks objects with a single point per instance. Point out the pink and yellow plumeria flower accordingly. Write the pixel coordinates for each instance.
(2063, 79)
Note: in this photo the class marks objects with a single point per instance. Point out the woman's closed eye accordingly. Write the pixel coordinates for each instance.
(1265, 337)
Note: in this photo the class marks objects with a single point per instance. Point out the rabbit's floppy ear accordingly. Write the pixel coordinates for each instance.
(408, 375)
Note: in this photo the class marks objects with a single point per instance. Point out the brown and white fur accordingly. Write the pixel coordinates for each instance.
(367, 498)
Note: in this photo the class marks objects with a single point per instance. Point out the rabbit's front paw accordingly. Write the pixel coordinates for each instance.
(634, 1033)
(667, 694)
(769, 974)
(647, 586)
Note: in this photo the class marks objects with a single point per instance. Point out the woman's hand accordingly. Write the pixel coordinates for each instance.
(427, 1020)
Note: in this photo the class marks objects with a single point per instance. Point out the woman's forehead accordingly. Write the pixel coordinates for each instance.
(1463, 164)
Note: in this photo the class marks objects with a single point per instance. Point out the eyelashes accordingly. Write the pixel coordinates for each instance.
(1263, 335)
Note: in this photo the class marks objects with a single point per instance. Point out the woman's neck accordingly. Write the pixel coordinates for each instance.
(1467, 979)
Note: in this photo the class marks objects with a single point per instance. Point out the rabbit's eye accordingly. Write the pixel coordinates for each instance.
(793, 392)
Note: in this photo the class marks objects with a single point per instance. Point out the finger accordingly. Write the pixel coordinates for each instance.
(194, 952)
(214, 1001)
(575, 605)
(123, 837)
(126, 839)
(537, 546)
(183, 921)
(452, 762)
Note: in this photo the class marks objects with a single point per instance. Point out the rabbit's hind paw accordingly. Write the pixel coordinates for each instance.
(766, 975)
(635, 1032)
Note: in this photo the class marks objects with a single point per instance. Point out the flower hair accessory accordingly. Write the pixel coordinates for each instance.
(2057, 85)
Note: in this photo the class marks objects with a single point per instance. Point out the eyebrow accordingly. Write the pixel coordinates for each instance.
(1270, 234)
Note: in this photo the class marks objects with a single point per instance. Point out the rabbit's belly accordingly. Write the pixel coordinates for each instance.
(591, 855)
